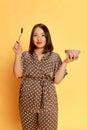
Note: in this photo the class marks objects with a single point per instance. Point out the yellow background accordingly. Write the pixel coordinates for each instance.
(67, 22)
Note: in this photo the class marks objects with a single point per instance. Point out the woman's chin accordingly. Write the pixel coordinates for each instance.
(40, 47)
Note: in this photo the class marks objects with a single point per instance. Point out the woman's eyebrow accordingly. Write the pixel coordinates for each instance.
(38, 33)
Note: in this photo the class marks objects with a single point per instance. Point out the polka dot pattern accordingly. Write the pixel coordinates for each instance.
(37, 98)
(42, 120)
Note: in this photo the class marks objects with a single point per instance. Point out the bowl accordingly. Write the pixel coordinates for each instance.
(73, 51)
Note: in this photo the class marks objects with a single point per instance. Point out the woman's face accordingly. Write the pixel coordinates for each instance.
(39, 38)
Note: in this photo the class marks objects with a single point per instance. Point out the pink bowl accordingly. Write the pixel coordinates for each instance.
(74, 52)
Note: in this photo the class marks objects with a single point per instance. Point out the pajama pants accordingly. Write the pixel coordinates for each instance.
(43, 121)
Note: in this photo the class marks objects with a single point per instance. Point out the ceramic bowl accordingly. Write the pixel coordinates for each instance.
(73, 51)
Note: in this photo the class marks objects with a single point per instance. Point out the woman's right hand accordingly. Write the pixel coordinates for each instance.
(17, 66)
(17, 48)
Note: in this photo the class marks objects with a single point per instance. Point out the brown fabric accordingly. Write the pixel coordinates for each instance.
(37, 91)
(43, 121)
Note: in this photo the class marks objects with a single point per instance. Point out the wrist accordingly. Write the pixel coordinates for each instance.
(64, 63)
(18, 55)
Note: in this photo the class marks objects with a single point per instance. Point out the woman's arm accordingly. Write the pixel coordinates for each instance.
(17, 67)
(61, 71)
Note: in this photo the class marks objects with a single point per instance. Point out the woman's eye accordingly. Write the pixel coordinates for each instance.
(43, 35)
(35, 35)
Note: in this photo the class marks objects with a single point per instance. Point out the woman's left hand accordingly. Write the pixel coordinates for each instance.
(71, 57)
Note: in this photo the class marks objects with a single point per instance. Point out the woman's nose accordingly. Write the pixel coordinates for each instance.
(39, 38)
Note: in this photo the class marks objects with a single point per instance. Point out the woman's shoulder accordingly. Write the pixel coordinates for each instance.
(25, 53)
(55, 54)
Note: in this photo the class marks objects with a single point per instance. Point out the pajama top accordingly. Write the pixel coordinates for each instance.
(37, 90)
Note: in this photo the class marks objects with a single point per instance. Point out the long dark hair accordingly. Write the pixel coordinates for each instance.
(48, 47)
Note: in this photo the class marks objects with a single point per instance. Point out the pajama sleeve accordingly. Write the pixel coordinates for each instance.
(58, 63)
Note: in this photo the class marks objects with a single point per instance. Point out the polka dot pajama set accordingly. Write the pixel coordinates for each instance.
(38, 104)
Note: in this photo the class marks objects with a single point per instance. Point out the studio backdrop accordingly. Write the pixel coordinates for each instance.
(67, 23)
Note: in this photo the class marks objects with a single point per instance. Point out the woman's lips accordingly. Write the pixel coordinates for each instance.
(39, 42)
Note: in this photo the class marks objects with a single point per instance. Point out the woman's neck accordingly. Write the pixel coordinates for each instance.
(39, 50)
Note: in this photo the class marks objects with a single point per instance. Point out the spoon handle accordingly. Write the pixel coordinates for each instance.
(20, 34)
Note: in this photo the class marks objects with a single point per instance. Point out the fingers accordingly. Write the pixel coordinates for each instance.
(17, 42)
(17, 47)
(70, 57)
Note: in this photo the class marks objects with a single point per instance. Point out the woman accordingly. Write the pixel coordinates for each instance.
(39, 68)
